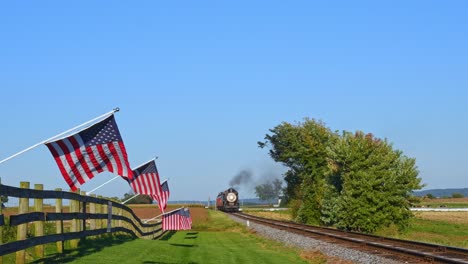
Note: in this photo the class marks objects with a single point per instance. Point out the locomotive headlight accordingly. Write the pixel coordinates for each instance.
(231, 197)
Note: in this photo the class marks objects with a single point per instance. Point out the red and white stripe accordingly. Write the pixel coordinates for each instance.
(172, 221)
(147, 183)
(179, 219)
(79, 163)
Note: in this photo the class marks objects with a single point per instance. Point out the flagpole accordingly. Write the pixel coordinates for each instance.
(163, 214)
(87, 193)
(173, 210)
(146, 221)
(44, 141)
(131, 198)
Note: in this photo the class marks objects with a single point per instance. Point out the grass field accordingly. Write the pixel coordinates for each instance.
(214, 239)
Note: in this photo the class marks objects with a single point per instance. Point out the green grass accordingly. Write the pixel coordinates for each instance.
(193, 247)
(219, 241)
(432, 231)
(438, 232)
(218, 222)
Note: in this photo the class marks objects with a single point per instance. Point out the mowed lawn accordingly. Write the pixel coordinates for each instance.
(214, 239)
(194, 247)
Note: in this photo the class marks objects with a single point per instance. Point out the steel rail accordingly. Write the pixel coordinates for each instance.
(426, 251)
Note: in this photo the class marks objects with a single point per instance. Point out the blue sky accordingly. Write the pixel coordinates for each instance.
(200, 82)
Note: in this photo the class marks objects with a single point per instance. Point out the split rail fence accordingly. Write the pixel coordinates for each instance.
(85, 216)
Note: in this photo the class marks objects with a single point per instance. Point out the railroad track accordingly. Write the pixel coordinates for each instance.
(397, 249)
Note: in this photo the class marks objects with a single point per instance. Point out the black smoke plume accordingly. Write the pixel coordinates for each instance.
(244, 177)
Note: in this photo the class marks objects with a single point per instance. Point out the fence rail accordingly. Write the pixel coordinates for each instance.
(86, 216)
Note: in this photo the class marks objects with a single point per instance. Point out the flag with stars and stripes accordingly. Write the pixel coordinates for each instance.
(91, 151)
(186, 219)
(176, 220)
(164, 197)
(146, 181)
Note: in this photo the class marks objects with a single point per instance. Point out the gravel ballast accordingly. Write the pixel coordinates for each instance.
(308, 243)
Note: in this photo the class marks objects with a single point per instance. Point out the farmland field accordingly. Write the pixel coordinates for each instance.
(445, 202)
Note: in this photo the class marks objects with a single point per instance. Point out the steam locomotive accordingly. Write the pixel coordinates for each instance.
(228, 201)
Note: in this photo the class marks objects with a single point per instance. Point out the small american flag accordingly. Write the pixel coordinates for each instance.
(162, 200)
(175, 220)
(146, 181)
(91, 151)
(186, 219)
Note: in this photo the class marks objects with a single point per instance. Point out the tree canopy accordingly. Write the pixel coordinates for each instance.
(354, 181)
(269, 190)
(140, 199)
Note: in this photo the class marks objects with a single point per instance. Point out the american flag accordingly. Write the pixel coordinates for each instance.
(186, 219)
(162, 200)
(175, 220)
(91, 151)
(146, 181)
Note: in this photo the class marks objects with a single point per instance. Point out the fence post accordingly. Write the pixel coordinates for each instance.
(92, 211)
(109, 217)
(83, 210)
(39, 225)
(74, 208)
(23, 208)
(103, 211)
(120, 213)
(59, 223)
(98, 211)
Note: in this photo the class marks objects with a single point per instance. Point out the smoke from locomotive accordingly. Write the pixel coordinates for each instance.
(228, 200)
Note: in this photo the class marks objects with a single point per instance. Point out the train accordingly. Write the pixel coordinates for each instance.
(228, 200)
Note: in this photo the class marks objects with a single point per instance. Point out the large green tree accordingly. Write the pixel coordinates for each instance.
(369, 184)
(354, 181)
(302, 148)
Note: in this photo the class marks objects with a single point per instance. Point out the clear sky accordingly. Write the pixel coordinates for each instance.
(200, 82)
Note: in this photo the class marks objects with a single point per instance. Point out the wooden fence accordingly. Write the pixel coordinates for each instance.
(86, 216)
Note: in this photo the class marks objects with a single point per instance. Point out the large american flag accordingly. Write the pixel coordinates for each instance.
(146, 181)
(176, 220)
(91, 151)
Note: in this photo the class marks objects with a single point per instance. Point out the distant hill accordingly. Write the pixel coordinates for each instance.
(443, 192)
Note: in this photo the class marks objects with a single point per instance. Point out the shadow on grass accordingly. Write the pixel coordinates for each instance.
(191, 235)
(156, 262)
(85, 247)
(181, 245)
(167, 236)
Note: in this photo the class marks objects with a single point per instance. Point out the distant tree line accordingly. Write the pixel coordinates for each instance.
(139, 199)
(454, 195)
(354, 181)
(269, 191)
